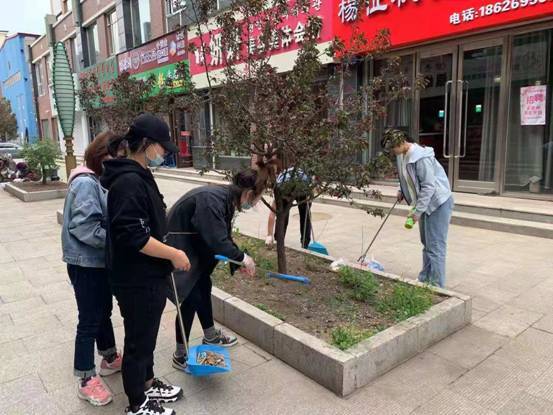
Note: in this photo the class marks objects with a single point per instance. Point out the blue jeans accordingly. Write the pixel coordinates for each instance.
(433, 230)
(94, 302)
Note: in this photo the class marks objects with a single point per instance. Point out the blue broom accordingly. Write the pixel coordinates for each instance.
(313, 246)
(270, 274)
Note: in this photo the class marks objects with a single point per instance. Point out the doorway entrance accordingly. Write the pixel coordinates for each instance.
(459, 111)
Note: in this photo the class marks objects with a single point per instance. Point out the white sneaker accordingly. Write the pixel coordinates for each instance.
(163, 392)
(150, 407)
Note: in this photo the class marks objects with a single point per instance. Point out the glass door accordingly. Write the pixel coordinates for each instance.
(436, 103)
(459, 112)
(478, 101)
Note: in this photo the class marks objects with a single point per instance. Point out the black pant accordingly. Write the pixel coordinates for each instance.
(198, 301)
(141, 308)
(94, 302)
(305, 222)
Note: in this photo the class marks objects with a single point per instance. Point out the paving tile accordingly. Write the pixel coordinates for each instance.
(482, 304)
(543, 387)
(526, 404)
(532, 351)
(418, 380)
(12, 349)
(508, 320)
(469, 346)
(545, 323)
(20, 390)
(493, 382)
(449, 403)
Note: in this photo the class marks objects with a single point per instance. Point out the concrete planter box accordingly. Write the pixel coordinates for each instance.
(343, 372)
(35, 196)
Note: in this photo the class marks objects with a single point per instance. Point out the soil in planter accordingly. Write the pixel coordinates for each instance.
(38, 186)
(328, 308)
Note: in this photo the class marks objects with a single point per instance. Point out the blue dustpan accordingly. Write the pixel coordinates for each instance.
(317, 247)
(196, 369)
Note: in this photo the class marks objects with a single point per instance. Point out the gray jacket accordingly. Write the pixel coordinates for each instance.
(83, 235)
(431, 182)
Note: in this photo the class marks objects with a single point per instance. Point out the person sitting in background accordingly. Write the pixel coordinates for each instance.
(83, 245)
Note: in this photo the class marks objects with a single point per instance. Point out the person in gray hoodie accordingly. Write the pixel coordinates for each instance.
(425, 187)
(83, 240)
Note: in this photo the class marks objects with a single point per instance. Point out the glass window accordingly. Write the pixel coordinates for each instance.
(68, 5)
(398, 114)
(74, 59)
(39, 75)
(140, 21)
(529, 165)
(112, 34)
(92, 43)
(45, 127)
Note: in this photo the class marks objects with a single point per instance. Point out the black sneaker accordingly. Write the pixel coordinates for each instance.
(179, 363)
(163, 392)
(221, 339)
(150, 407)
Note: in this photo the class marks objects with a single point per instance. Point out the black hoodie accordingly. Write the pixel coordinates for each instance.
(136, 211)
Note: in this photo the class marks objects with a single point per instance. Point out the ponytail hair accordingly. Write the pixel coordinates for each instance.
(130, 143)
(252, 179)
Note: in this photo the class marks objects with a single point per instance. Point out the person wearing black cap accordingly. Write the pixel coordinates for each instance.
(200, 222)
(138, 261)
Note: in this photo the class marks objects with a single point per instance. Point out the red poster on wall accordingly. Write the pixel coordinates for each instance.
(293, 31)
(416, 21)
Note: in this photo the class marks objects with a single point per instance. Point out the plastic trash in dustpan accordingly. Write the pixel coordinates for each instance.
(200, 352)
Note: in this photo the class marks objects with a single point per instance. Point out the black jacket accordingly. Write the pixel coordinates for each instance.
(205, 214)
(136, 211)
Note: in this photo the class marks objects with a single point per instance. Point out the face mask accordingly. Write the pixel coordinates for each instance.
(246, 206)
(155, 162)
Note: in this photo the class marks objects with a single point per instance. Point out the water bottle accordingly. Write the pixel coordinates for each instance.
(410, 222)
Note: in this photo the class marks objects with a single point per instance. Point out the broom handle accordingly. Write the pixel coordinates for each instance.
(362, 257)
(179, 314)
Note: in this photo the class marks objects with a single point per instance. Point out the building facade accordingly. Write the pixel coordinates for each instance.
(487, 107)
(94, 32)
(16, 83)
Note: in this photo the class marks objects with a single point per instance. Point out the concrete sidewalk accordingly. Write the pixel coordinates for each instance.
(501, 364)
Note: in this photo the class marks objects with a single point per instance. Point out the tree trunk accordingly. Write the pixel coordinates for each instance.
(43, 176)
(282, 211)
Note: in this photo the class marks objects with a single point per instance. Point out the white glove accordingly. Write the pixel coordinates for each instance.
(269, 241)
(249, 265)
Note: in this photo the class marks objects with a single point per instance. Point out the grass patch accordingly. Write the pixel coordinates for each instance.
(267, 309)
(364, 286)
(268, 264)
(345, 337)
(405, 301)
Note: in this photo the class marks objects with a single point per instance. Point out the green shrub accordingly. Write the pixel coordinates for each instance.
(344, 337)
(406, 301)
(362, 283)
(41, 156)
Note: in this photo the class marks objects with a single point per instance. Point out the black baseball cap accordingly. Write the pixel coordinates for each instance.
(149, 126)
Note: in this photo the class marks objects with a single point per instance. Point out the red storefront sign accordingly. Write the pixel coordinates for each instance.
(168, 49)
(416, 21)
(293, 31)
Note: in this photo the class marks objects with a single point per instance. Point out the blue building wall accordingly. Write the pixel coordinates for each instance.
(17, 85)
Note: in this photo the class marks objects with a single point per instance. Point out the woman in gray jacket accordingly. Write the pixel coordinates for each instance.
(83, 244)
(425, 187)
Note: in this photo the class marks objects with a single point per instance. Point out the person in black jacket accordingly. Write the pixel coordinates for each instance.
(200, 223)
(137, 260)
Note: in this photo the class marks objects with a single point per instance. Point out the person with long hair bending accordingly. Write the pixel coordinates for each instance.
(138, 261)
(200, 223)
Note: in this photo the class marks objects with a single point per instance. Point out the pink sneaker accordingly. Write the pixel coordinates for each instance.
(95, 392)
(107, 369)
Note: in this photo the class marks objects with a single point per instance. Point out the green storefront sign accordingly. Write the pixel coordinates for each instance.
(162, 75)
(105, 72)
